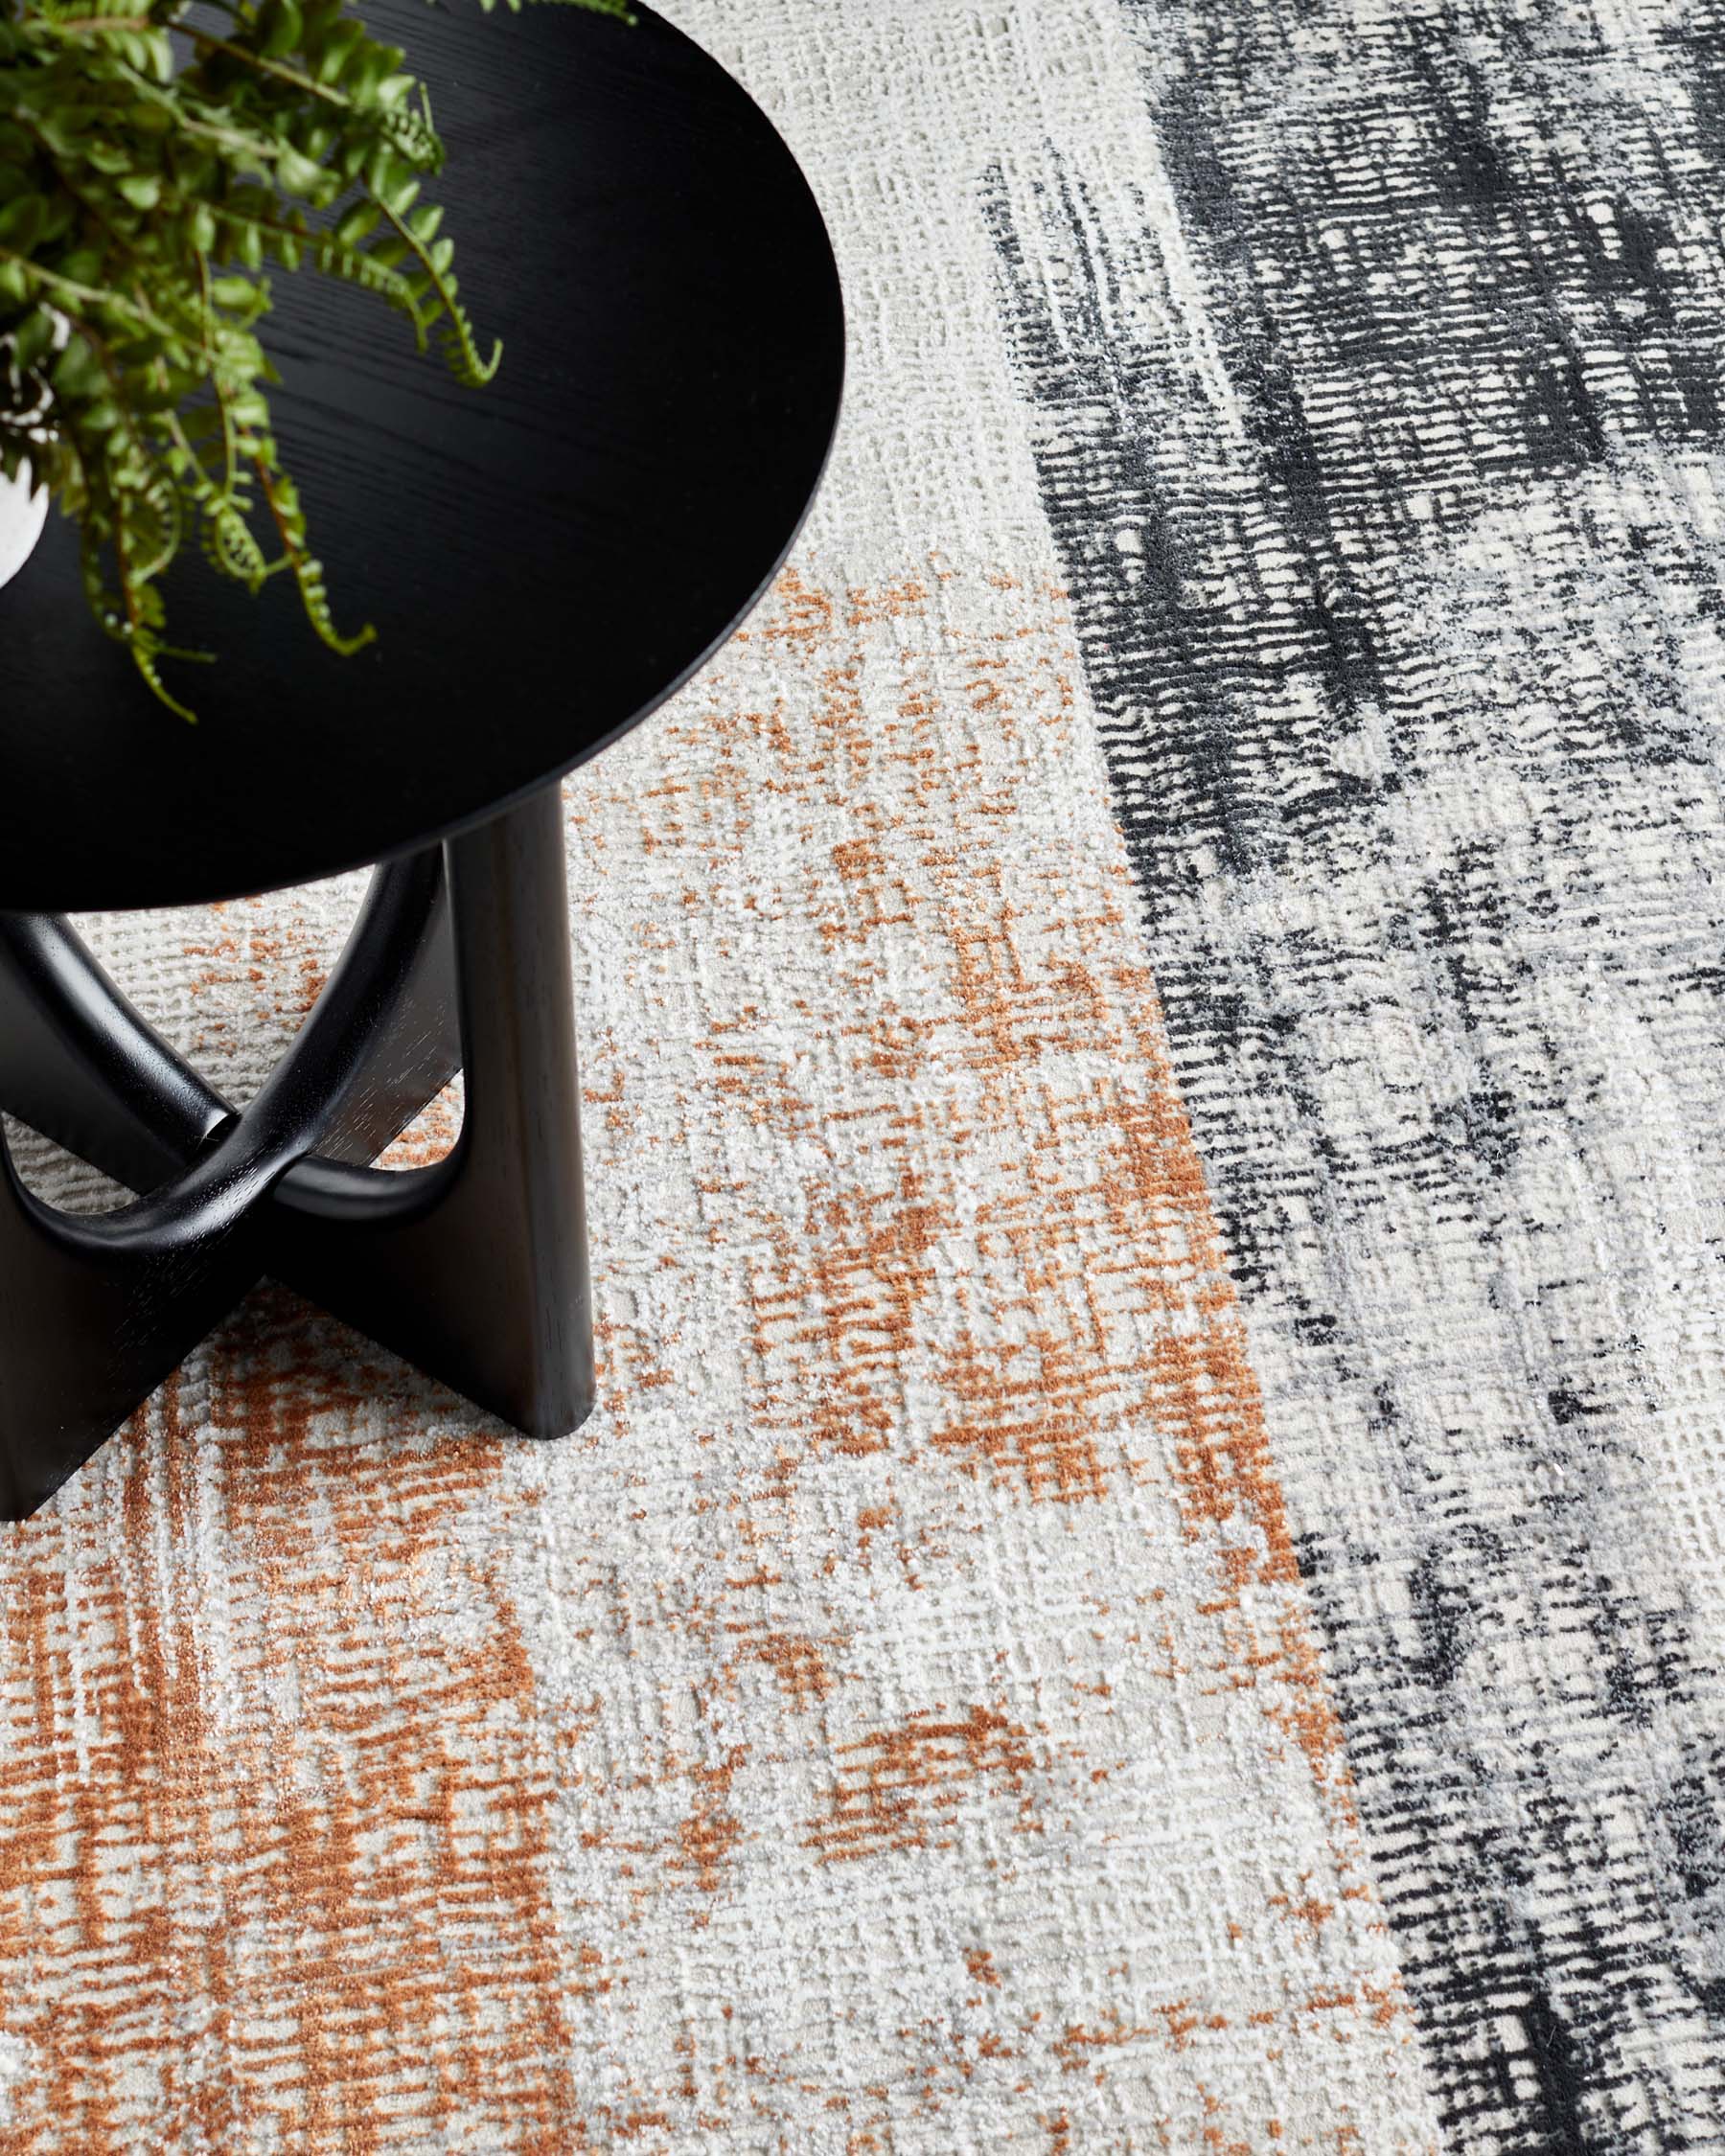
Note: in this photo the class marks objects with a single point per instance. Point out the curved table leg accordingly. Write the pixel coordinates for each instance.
(77, 1063)
(476, 1268)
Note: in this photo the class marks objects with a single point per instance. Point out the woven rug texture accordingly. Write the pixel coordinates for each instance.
(1148, 1574)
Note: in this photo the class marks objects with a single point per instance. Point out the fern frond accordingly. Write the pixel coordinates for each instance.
(283, 497)
(460, 347)
(144, 652)
(462, 352)
(141, 204)
(413, 134)
(618, 10)
(230, 545)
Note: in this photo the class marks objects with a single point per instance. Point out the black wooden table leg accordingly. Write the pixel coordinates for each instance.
(475, 1268)
(77, 1063)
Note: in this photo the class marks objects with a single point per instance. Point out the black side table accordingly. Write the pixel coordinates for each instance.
(544, 562)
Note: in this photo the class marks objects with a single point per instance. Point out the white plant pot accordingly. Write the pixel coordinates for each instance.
(23, 505)
(22, 515)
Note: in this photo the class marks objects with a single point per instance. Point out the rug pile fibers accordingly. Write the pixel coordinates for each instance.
(1149, 1575)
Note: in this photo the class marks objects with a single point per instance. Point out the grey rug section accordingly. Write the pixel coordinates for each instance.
(1377, 416)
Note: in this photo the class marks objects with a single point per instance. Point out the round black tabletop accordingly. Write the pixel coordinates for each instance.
(545, 559)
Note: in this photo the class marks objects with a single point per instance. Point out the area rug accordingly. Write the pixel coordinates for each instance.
(1149, 1575)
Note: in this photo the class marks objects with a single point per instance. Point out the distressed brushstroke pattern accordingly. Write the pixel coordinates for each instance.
(895, 1723)
(1374, 381)
(939, 1704)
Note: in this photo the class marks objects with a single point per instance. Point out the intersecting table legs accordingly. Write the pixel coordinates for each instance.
(475, 1269)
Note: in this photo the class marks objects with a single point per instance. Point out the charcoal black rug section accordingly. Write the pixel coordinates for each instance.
(1380, 435)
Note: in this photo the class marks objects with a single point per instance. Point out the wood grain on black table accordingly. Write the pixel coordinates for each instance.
(545, 559)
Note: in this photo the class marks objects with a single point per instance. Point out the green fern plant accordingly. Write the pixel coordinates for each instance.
(156, 162)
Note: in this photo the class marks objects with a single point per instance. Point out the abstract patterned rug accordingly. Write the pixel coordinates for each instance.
(1151, 1572)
